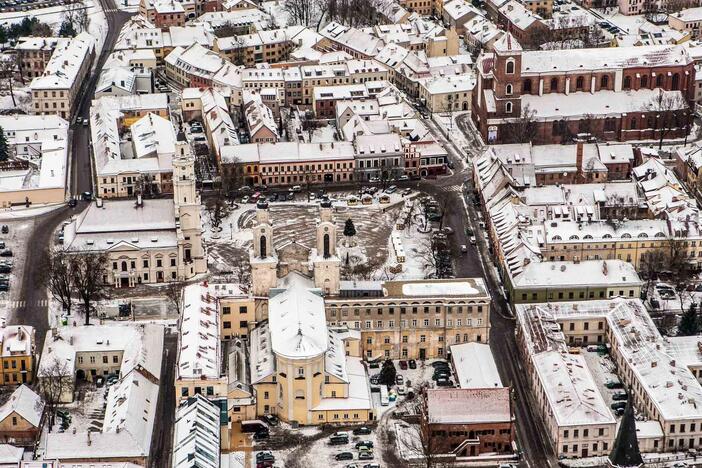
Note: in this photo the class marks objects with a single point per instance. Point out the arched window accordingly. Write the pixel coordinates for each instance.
(659, 81)
(554, 85)
(508, 108)
(326, 246)
(604, 81)
(644, 81)
(508, 90)
(124, 265)
(579, 82)
(509, 67)
(262, 245)
(676, 82)
(526, 86)
(627, 82)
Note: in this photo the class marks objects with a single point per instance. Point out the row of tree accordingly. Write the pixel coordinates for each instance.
(354, 13)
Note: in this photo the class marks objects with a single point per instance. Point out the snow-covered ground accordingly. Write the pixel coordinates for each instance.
(53, 16)
(455, 134)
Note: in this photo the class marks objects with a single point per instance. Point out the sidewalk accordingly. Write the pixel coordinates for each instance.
(11, 214)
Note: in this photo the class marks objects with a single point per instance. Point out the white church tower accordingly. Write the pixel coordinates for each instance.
(326, 263)
(264, 262)
(191, 252)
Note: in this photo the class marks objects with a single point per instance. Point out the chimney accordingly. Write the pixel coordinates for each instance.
(579, 159)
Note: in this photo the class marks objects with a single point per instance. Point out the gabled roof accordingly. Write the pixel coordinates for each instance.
(25, 403)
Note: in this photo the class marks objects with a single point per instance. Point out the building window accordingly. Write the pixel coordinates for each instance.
(604, 81)
(508, 90)
(627, 82)
(508, 108)
(509, 66)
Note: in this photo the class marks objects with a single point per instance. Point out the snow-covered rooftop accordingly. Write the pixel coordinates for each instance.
(196, 433)
(475, 366)
(199, 346)
(468, 405)
(593, 273)
(25, 403)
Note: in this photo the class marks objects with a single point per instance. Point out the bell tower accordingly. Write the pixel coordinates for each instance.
(264, 262)
(191, 252)
(326, 262)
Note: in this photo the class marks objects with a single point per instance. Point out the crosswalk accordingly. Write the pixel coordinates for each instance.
(23, 304)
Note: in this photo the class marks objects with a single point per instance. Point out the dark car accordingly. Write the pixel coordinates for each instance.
(618, 404)
(437, 364)
(271, 419)
(444, 382)
(72, 202)
(363, 430)
(5, 229)
(403, 365)
(263, 456)
(273, 197)
(260, 435)
(6, 253)
(87, 196)
(4, 286)
(614, 384)
(5, 269)
(365, 443)
(412, 364)
(620, 396)
(344, 456)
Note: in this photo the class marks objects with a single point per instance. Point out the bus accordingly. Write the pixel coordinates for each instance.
(384, 399)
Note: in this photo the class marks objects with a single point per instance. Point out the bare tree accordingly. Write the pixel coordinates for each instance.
(306, 12)
(145, 185)
(434, 256)
(671, 112)
(57, 275)
(651, 264)
(680, 269)
(523, 129)
(75, 15)
(242, 274)
(8, 65)
(55, 380)
(88, 270)
(217, 210)
(428, 444)
(174, 294)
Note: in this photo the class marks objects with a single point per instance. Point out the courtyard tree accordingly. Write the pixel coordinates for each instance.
(75, 18)
(670, 112)
(651, 264)
(680, 270)
(88, 270)
(306, 12)
(55, 380)
(349, 231)
(689, 323)
(4, 148)
(174, 294)
(434, 256)
(57, 276)
(217, 210)
(8, 65)
(524, 127)
(387, 373)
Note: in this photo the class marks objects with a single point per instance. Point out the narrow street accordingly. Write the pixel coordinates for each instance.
(34, 312)
(531, 433)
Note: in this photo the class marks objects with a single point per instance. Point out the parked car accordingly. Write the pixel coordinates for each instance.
(371, 465)
(399, 379)
(364, 443)
(271, 419)
(344, 456)
(440, 364)
(72, 202)
(365, 455)
(86, 196)
(245, 199)
(339, 439)
(403, 365)
(401, 390)
(261, 456)
(391, 189)
(296, 188)
(375, 379)
(261, 435)
(444, 382)
(618, 404)
(620, 396)
(614, 384)
(363, 430)
(6, 253)
(472, 240)
(406, 192)
(412, 364)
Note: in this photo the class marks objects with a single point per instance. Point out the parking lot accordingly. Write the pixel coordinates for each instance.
(603, 371)
(29, 5)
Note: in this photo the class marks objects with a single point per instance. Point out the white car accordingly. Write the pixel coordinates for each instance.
(401, 390)
(296, 188)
